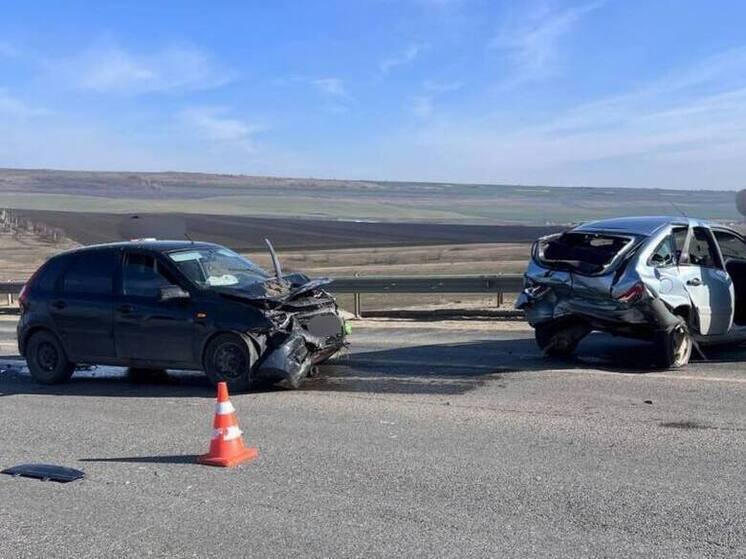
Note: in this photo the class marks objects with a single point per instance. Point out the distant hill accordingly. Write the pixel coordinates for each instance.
(201, 193)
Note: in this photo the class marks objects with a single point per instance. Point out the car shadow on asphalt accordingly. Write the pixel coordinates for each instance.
(107, 382)
(460, 367)
(445, 369)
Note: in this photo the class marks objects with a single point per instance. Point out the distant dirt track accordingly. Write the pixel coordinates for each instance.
(248, 233)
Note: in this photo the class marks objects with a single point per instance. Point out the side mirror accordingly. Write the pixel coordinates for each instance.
(172, 293)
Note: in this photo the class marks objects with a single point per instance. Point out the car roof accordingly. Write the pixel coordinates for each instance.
(152, 245)
(639, 225)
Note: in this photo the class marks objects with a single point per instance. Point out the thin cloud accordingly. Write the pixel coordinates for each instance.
(336, 96)
(533, 43)
(442, 87)
(216, 126)
(400, 59)
(332, 86)
(13, 107)
(112, 69)
(423, 106)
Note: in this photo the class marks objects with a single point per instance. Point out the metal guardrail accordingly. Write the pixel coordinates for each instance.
(10, 289)
(428, 284)
(13, 287)
(498, 284)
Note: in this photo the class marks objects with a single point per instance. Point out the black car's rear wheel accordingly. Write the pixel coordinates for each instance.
(46, 359)
(229, 358)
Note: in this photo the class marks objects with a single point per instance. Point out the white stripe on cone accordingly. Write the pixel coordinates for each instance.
(224, 408)
(228, 434)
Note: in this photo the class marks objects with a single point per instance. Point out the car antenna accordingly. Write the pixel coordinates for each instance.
(275, 260)
(678, 209)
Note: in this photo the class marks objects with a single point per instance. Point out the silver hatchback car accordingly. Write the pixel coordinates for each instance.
(676, 281)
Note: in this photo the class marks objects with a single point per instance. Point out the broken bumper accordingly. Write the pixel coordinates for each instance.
(641, 318)
(290, 356)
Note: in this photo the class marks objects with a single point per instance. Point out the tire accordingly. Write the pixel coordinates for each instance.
(674, 347)
(46, 359)
(559, 339)
(230, 358)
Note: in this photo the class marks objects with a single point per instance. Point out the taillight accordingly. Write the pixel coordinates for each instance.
(26, 289)
(23, 294)
(632, 294)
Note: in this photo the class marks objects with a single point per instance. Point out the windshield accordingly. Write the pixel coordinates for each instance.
(217, 267)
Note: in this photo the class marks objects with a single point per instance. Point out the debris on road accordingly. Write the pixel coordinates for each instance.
(45, 472)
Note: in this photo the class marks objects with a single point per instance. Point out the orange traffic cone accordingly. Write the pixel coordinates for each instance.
(226, 446)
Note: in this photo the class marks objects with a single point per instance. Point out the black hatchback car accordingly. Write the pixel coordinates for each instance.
(175, 304)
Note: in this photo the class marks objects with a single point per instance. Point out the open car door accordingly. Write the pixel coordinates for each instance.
(708, 284)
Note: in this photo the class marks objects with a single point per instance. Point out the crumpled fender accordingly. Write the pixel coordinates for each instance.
(289, 361)
(651, 310)
(659, 314)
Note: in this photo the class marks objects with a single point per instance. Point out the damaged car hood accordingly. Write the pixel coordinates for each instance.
(274, 290)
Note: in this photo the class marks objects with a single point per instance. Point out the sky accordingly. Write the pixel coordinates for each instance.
(639, 93)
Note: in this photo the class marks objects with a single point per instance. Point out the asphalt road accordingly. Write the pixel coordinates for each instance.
(423, 441)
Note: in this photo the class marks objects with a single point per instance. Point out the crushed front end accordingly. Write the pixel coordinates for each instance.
(307, 329)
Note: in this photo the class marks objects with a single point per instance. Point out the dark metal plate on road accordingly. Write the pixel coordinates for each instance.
(45, 472)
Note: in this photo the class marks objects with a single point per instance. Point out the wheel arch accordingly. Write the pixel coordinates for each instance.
(684, 311)
(255, 346)
(23, 342)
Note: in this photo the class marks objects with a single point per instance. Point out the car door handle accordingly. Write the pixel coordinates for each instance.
(59, 304)
(124, 309)
(694, 281)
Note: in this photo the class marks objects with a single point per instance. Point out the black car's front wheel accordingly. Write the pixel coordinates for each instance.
(46, 359)
(229, 358)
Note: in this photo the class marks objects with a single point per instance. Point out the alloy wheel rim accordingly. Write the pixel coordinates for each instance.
(682, 345)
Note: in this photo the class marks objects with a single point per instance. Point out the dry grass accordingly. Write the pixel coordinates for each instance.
(21, 254)
(498, 258)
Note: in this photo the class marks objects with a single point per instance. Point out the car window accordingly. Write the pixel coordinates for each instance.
(49, 275)
(665, 254)
(702, 250)
(679, 237)
(731, 245)
(668, 251)
(586, 252)
(90, 273)
(144, 276)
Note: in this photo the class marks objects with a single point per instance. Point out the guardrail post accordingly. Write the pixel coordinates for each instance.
(358, 306)
(500, 299)
(10, 299)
